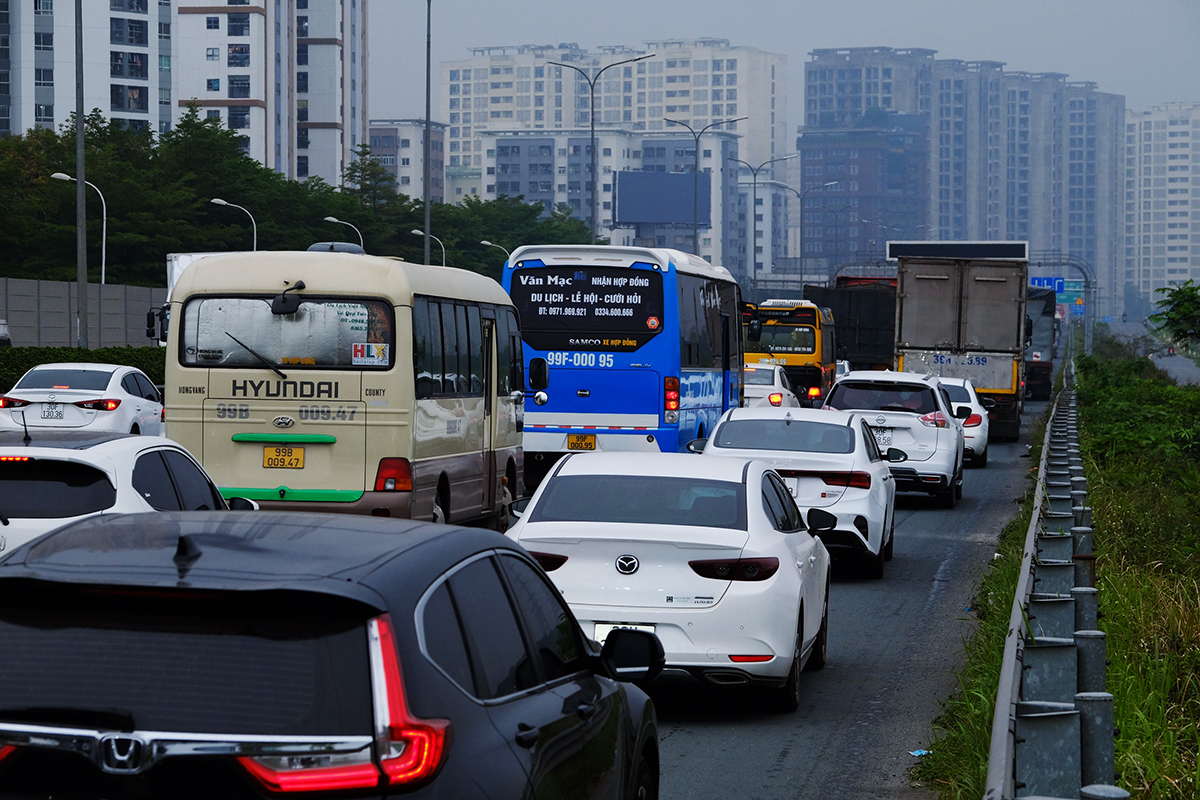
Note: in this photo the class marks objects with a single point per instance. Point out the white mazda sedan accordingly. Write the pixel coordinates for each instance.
(767, 385)
(98, 397)
(829, 460)
(710, 554)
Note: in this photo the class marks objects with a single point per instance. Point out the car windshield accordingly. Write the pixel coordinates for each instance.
(958, 394)
(656, 500)
(38, 488)
(759, 377)
(781, 434)
(55, 378)
(882, 396)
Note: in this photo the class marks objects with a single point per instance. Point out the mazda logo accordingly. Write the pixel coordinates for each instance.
(627, 565)
(122, 754)
(283, 422)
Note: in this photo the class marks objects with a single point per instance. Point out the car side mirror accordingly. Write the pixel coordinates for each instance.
(696, 445)
(284, 303)
(754, 330)
(516, 509)
(820, 520)
(539, 374)
(987, 402)
(895, 455)
(629, 655)
(241, 504)
(962, 412)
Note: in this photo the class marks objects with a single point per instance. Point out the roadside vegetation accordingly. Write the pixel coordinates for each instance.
(1140, 438)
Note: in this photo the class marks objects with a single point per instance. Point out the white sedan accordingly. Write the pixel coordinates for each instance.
(710, 554)
(99, 397)
(975, 425)
(768, 385)
(829, 461)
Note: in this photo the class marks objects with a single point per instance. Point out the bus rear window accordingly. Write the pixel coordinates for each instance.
(789, 339)
(325, 332)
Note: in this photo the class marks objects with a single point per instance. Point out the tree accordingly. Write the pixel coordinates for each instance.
(1180, 314)
(367, 178)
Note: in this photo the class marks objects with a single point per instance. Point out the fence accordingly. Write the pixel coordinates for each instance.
(43, 313)
(1052, 733)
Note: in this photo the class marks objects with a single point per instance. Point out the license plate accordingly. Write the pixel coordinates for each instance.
(581, 441)
(603, 629)
(283, 457)
(52, 411)
(883, 436)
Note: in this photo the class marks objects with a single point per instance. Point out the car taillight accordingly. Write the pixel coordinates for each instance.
(736, 569)
(10, 459)
(12, 402)
(6, 750)
(750, 659)
(847, 480)
(410, 749)
(98, 405)
(935, 419)
(393, 475)
(671, 400)
(313, 773)
(775, 398)
(814, 392)
(162, 414)
(973, 421)
(549, 561)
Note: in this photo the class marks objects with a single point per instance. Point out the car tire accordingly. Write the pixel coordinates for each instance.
(980, 461)
(439, 506)
(787, 697)
(645, 780)
(949, 496)
(958, 485)
(890, 546)
(874, 565)
(820, 652)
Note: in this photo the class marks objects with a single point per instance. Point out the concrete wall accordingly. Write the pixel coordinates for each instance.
(42, 313)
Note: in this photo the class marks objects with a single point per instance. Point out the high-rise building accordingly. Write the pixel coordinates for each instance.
(399, 144)
(289, 77)
(1161, 210)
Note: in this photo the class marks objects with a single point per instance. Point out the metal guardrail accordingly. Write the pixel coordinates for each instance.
(1052, 732)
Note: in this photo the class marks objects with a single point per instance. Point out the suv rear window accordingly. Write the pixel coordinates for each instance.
(52, 489)
(882, 396)
(128, 659)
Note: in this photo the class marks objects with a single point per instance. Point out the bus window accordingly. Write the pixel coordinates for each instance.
(475, 335)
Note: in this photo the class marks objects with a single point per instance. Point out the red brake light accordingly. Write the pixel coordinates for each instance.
(750, 659)
(736, 569)
(814, 392)
(775, 398)
(935, 419)
(289, 778)
(973, 421)
(549, 561)
(10, 459)
(393, 475)
(6, 750)
(671, 394)
(12, 402)
(849, 480)
(98, 405)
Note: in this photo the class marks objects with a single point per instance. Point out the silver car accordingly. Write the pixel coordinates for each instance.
(767, 385)
(98, 397)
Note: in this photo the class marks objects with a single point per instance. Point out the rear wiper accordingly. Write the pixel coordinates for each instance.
(73, 717)
(269, 363)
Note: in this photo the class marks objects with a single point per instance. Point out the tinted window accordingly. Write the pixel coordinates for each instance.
(656, 500)
(153, 482)
(51, 489)
(759, 377)
(789, 339)
(882, 397)
(776, 434)
(475, 331)
(869, 443)
(499, 661)
(148, 390)
(773, 506)
(129, 384)
(195, 491)
(550, 624)
(958, 394)
(91, 379)
(444, 638)
(422, 349)
(791, 514)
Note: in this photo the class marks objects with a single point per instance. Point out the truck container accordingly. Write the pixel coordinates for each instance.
(1042, 349)
(864, 316)
(960, 312)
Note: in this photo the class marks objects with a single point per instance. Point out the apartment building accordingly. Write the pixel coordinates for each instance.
(288, 76)
(1162, 202)
(399, 144)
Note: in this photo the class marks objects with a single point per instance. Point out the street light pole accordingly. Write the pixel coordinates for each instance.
(216, 201)
(428, 236)
(754, 219)
(356, 230)
(428, 111)
(81, 280)
(62, 176)
(592, 117)
(801, 196)
(492, 244)
(696, 174)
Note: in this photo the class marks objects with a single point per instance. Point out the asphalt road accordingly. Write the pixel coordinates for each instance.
(894, 647)
(1181, 368)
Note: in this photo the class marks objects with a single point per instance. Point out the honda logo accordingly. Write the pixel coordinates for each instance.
(122, 754)
(283, 422)
(627, 565)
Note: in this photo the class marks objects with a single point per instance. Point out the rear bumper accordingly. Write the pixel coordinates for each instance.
(913, 480)
(376, 504)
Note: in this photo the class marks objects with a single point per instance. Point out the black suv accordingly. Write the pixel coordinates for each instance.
(193, 655)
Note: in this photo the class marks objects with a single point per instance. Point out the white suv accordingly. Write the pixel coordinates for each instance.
(914, 413)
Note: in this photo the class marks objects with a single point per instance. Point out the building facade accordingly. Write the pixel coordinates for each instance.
(399, 144)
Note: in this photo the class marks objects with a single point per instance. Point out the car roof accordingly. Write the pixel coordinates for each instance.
(824, 415)
(91, 365)
(241, 551)
(954, 381)
(889, 376)
(77, 439)
(681, 465)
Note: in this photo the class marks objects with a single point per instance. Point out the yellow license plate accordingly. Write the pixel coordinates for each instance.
(283, 457)
(581, 441)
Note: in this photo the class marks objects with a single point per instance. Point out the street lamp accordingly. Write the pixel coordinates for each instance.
(696, 174)
(428, 236)
(592, 116)
(491, 244)
(426, 177)
(216, 201)
(754, 218)
(801, 196)
(62, 176)
(356, 230)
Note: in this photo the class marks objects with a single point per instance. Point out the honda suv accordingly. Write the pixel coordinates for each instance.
(244, 654)
(913, 413)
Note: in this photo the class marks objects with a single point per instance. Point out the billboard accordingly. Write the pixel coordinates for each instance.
(661, 198)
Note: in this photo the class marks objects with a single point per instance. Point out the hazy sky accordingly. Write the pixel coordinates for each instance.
(1147, 50)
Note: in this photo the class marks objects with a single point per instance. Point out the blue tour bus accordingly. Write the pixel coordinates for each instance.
(644, 347)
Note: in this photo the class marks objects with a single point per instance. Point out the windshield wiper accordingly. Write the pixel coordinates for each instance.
(269, 363)
(73, 717)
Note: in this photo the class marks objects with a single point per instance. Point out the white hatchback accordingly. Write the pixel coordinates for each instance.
(829, 460)
(767, 385)
(975, 425)
(710, 554)
(99, 397)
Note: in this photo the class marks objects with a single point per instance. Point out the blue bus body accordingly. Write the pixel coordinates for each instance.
(643, 345)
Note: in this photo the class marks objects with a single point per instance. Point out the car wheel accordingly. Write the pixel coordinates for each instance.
(874, 567)
(958, 485)
(135, 430)
(949, 497)
(787, 697)
(888, 548)
(440, 504)
(645, 781)
(981, 461)
(820, 651)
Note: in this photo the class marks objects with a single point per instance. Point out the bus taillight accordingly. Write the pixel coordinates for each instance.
(671, 399)
(394, 475)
